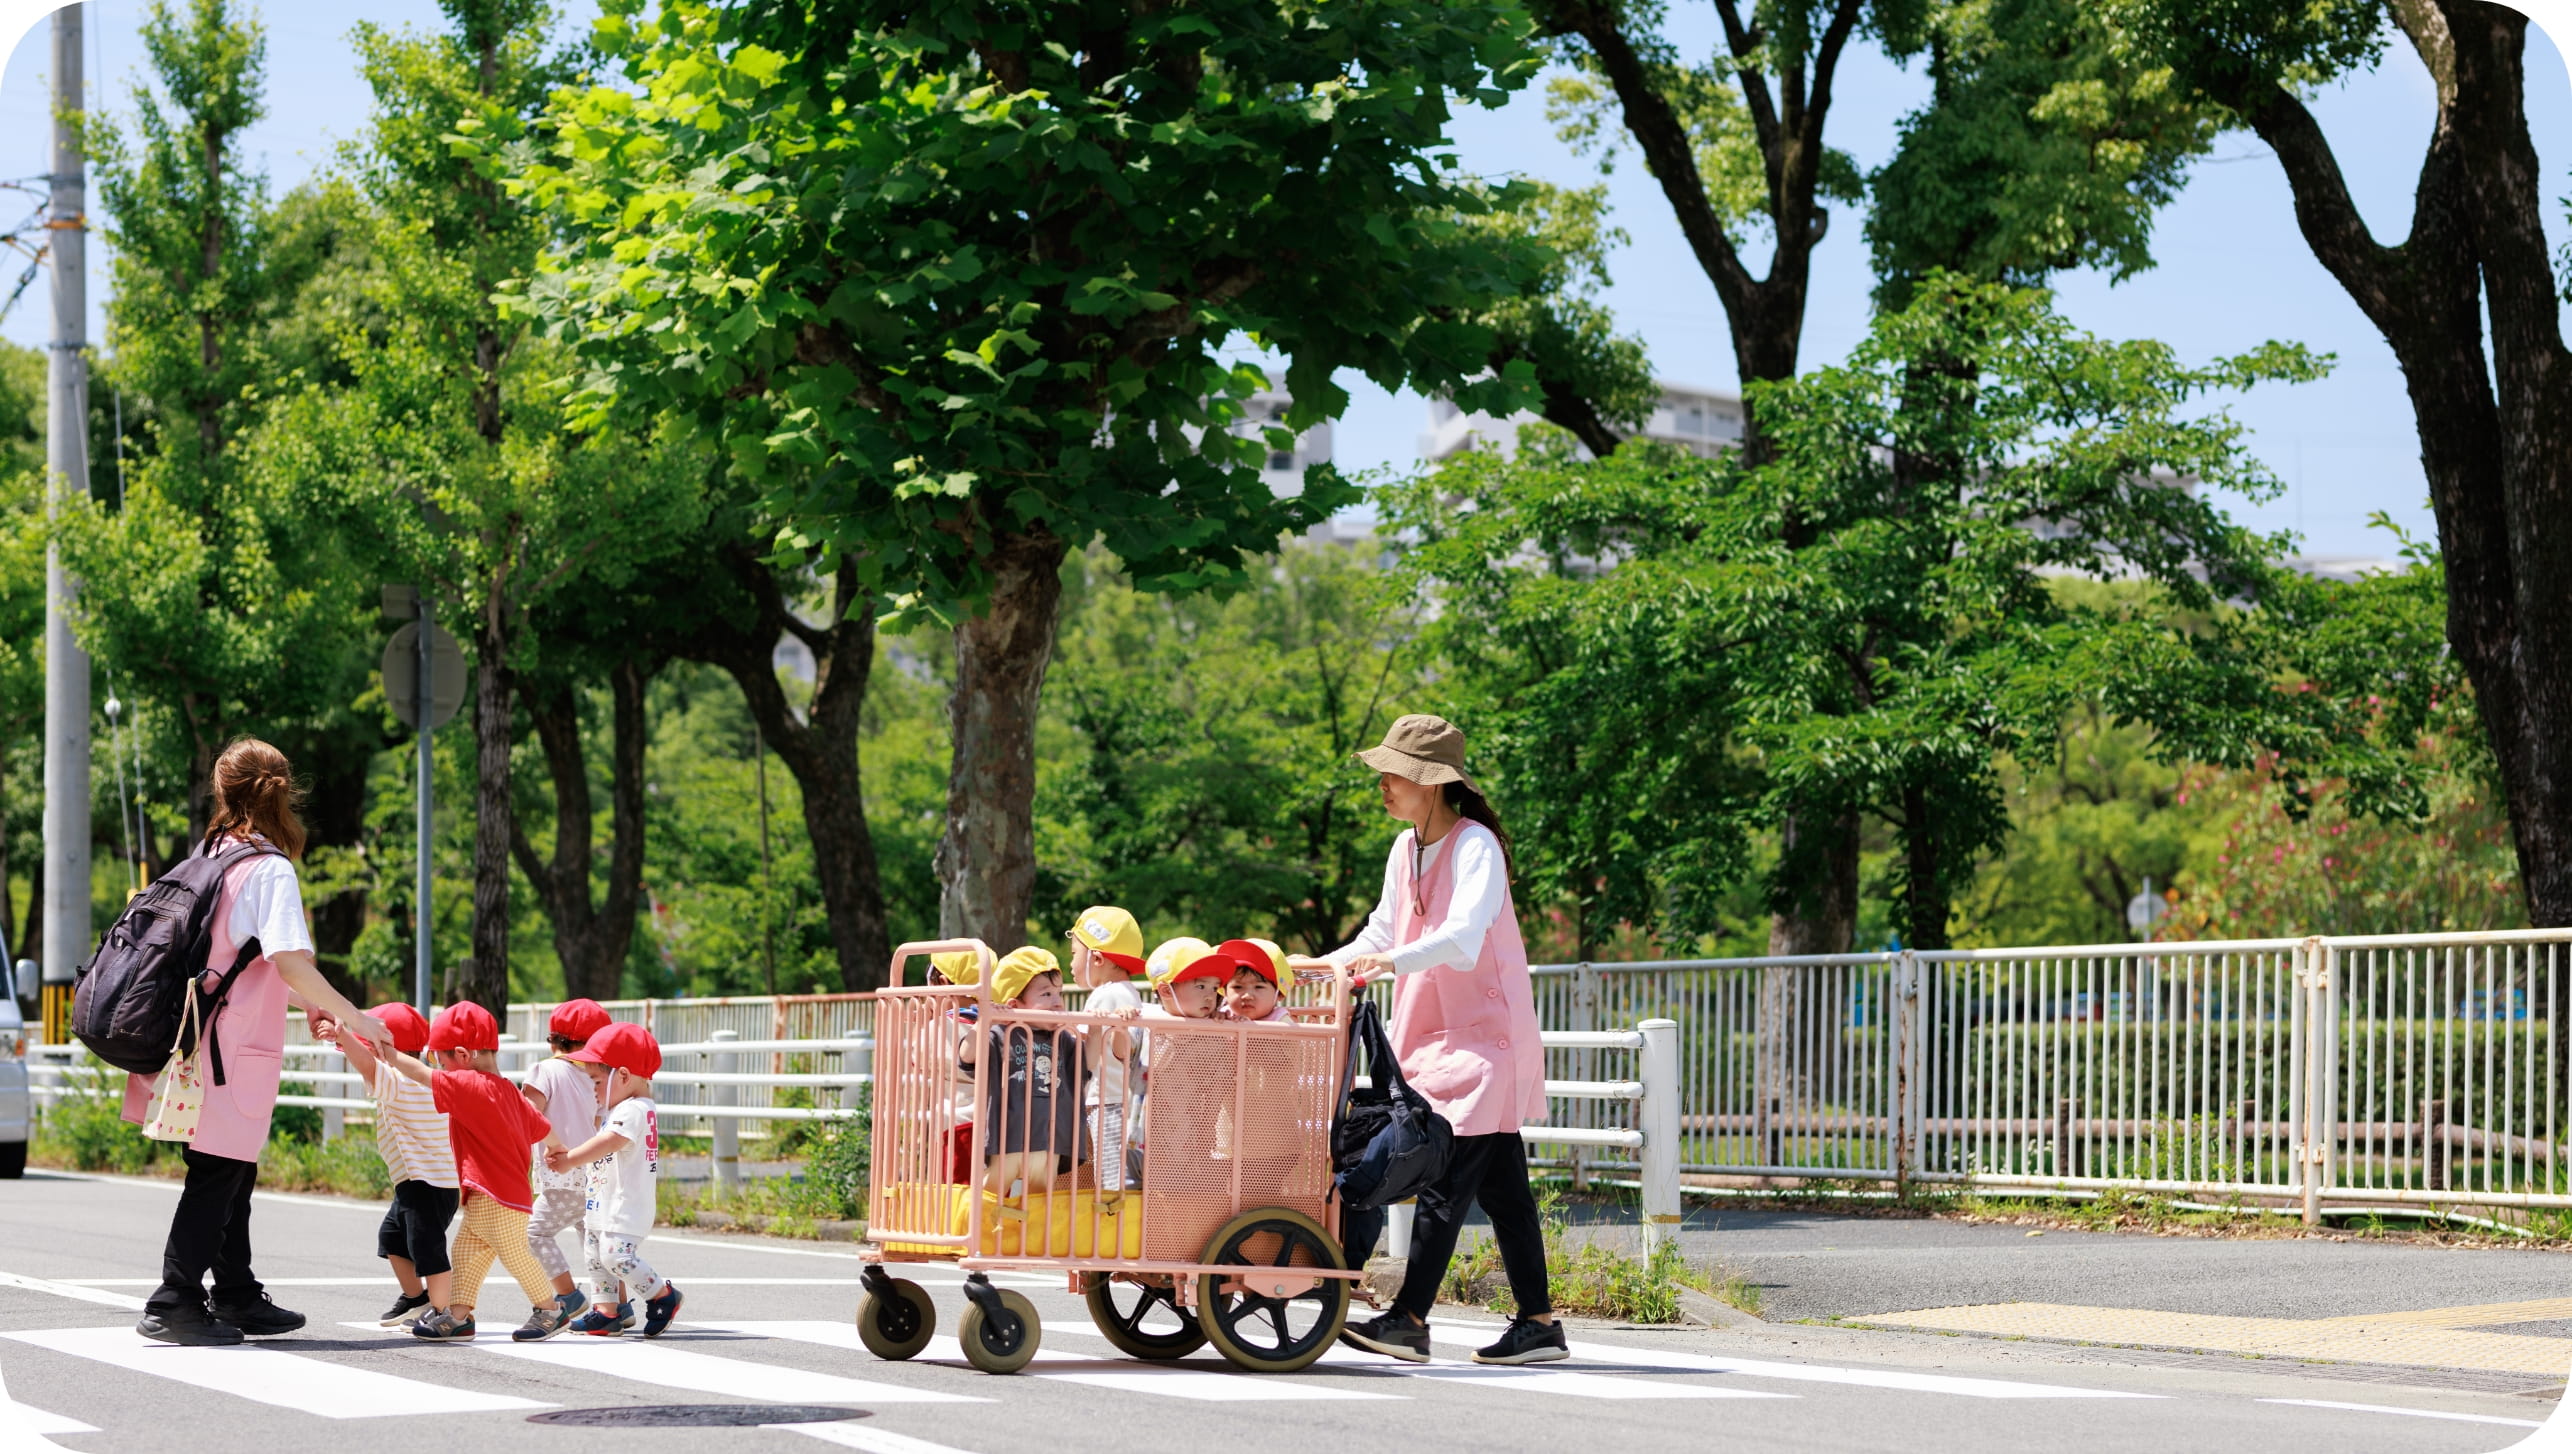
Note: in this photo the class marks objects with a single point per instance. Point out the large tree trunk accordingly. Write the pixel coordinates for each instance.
(336, 814)
(1813, 904)
(590, 939)
(2494, 416)
(484, 978)
(986, 861)
(818, 747)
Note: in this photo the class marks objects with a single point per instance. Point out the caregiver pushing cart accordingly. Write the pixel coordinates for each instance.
(1217, 1228)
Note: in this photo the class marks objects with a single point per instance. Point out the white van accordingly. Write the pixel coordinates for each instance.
(14, 1124)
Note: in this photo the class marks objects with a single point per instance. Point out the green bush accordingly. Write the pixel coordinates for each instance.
(87, 1130)
(1587, 1277)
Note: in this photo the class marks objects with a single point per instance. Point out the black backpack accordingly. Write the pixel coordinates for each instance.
(128, 1001)
(1388, 1143)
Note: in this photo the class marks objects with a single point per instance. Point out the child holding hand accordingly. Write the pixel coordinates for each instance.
(411, 1136)
(493, 1126)
(562, 1090)
(624, 1161)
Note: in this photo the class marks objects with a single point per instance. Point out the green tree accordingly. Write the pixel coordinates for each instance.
(2471, 305)
(1201, 778)
(957, 288)
(1863, 622)
(444, 451)
(205, 590)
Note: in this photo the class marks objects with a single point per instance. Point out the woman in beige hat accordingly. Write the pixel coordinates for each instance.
(1464, 1024)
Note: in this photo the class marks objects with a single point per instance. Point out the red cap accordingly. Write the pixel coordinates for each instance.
(1217, 964)
(1246, 955)
(410, 1032)
(578, 1019)
(629, 1048)
(466, 1026)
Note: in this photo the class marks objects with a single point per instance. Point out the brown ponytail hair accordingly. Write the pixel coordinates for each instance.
(254, 792)
(1470, 803)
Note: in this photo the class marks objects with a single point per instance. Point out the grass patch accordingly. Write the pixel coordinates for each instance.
(831, 1187)
(1593, 1277)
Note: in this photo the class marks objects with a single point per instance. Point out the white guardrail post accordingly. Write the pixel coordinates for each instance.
(1657, 1116)
(727, 1129)
(860, 1061)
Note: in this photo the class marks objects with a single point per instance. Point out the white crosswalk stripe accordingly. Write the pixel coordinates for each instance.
(271, 1376)
(1115, 1374)
(664, 1366)
(1562, 1383)
(1664, 1360)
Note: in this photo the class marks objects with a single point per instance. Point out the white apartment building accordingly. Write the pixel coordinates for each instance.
(1704, 421)
(1283, 470)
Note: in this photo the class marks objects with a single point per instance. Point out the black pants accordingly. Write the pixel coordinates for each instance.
(209, 1231)
(1491, 1170)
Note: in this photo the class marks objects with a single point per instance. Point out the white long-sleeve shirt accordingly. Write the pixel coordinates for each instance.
(1455, 942)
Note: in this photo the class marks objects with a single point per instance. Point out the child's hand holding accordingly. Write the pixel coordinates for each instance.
(325, 1029)
(558, 1159)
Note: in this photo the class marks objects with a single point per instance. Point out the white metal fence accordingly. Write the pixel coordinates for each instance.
(2407, 1069)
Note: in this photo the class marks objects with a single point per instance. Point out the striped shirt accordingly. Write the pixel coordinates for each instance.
(410, 1130)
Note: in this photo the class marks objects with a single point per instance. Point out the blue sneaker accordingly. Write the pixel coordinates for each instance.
(603, 1321)
(657, 1312)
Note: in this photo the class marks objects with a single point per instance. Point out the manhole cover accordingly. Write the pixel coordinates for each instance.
(696, 1416)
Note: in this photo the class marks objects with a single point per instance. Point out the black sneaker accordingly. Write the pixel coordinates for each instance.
(1392, 1334)
(405, 1310)
(657, 1312)
(257, 1318)
(1526, 1341)
(440, 1326)
(189, 1328)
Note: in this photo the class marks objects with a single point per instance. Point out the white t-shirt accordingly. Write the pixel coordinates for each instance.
(621, 1185)
(270, 907)
(1482, 885)
(1117, 996)
(571, 1103)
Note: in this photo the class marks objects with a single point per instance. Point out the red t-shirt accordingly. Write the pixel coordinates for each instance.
(493, 1126)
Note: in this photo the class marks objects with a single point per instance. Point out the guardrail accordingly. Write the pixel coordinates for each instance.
(2384, 1071)
(704, 1080)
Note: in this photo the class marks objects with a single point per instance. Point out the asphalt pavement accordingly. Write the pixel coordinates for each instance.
(767, 1324)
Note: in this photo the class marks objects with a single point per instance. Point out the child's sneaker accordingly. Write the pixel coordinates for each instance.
(545, 1322)
(602, 1321)
(657, 1312)
(439, 1325)
(406, 1309)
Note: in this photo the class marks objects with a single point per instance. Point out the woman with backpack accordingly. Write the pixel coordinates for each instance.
(1464, 1028)
(261, 901)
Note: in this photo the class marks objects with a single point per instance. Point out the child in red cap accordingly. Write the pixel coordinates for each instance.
(624, 1161)
(411, 1136)
(563, 1092)
(493, 1127)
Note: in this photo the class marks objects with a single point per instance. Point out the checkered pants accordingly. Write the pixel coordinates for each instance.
(492, 1230)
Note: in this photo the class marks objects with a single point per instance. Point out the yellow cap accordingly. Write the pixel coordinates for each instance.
(1017, 969)
(1175, 955)
(1276, 957)
(957, 966)
(1110, 931)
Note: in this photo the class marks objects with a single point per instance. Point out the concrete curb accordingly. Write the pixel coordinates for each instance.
(1708, 1311)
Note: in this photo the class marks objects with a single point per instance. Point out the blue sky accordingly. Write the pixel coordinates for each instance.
(2232, 273)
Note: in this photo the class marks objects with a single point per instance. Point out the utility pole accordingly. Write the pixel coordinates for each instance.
(423, 684)
(67, 458)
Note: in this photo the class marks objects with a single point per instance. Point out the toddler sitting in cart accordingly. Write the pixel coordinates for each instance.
(1031, 1079)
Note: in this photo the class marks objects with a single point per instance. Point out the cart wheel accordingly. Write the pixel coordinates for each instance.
(1266, 1333)
(1122, 1311)
(1002, 1344)
(896, 1326)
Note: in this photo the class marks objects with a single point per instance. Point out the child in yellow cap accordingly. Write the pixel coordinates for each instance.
(1255, 991)
(1107, 952)
(1031, 1078)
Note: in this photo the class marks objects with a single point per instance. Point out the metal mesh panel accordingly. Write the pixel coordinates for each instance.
(1240, 1118)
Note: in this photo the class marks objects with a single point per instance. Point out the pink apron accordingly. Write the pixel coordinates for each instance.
(1467, 1038)
(252, 1029)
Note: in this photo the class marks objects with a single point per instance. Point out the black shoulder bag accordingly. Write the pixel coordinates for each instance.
(1388, 1143)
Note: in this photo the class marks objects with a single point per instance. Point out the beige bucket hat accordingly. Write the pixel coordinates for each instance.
(1424, 749)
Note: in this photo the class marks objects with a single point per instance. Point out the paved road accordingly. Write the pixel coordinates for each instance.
(768, 1322)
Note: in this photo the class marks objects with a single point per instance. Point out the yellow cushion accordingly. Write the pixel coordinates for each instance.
(1057, 1224)
(918, 1206)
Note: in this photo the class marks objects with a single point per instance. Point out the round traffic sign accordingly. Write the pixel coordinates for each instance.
(402, 669)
